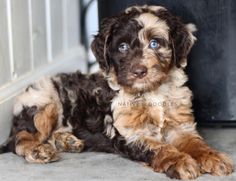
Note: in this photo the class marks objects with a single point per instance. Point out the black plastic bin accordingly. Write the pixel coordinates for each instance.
(212, 62)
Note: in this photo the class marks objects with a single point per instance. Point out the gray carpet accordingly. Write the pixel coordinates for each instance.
(109, 167)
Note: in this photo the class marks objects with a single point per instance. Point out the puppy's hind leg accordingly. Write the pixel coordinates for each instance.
(32, 146)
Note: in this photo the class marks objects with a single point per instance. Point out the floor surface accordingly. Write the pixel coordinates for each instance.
(106, 167)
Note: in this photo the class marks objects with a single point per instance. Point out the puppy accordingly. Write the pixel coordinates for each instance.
(137, 106)
(143, 52)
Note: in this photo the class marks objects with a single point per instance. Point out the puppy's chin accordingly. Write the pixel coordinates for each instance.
(141, 86)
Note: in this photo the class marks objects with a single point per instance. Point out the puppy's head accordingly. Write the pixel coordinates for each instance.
(137, 48)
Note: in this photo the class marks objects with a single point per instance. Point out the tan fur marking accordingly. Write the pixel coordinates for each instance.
(179, 115)
(32, 150)
(31, 145)
(209, 160)
(169, 160)
(175, 164)
(45, 121)
(141, 8)
(156, 8)
(151, 22)
(25, 142)
(112, 80)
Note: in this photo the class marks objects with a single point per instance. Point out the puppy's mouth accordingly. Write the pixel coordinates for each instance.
(143, 83)
(142, 80)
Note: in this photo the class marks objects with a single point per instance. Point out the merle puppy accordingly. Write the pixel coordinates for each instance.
(138, 105)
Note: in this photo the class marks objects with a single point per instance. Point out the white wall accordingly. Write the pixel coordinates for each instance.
(37, 37)
(92, 29)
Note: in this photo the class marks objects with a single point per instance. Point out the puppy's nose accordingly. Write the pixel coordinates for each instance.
(139, 71)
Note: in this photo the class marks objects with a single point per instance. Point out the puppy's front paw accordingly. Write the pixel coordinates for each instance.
(215, 163)
(179, 166)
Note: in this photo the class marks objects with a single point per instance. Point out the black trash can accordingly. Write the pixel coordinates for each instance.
(212, 62)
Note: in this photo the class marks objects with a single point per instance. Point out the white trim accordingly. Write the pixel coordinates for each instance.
(74, 60)
(9, 34)
(65, 25)
(31, 34)
(48, 30)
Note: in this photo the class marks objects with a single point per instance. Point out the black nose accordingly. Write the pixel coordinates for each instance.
(139, 71)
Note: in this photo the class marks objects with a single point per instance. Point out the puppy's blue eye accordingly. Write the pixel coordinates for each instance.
(153, 44)
(123, 47)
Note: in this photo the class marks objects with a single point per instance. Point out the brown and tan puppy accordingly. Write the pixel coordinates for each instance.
(143, 53)
(137, 106)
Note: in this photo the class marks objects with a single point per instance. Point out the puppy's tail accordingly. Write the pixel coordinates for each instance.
(7, 145)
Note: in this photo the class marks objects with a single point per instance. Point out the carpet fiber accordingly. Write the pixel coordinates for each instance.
(109, 167)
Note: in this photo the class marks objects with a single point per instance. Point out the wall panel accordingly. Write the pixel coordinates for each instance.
(56, 27)
(21, 37)
(5, 74)
(39, 33)
(72, 23)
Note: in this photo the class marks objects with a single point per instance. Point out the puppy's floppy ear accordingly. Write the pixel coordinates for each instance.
(100, 43)
(183, 40)
(181, 37)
